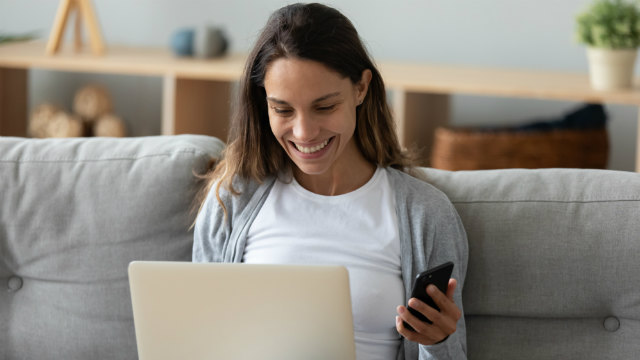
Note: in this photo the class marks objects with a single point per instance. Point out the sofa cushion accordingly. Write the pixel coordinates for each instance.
(553, 261)
(73, 214)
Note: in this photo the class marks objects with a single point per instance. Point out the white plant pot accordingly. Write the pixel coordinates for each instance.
(611, 69)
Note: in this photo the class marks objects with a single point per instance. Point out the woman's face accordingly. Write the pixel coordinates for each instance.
(312, 113)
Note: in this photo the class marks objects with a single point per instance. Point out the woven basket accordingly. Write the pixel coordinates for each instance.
(466, 149)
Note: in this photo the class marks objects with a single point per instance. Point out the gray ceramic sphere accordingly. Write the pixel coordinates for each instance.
(210, 42)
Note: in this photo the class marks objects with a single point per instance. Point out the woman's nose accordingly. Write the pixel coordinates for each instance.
(305, 128)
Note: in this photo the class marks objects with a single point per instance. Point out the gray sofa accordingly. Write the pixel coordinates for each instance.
(553, 270)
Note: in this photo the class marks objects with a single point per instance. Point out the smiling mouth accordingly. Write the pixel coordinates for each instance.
(312, 149)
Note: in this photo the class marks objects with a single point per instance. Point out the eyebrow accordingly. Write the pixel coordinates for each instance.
(322, 98)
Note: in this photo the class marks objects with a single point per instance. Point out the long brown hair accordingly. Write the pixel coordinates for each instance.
(312, 32)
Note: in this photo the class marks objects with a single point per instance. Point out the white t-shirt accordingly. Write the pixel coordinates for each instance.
(358, 230)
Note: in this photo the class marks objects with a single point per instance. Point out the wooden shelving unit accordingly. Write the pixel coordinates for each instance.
(197, 93)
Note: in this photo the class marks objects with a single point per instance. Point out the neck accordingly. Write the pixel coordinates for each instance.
(339, 179)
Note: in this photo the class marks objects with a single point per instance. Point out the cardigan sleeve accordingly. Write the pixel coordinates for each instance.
(211, 230)
(432, 234)
(220, 236)
(448, 242)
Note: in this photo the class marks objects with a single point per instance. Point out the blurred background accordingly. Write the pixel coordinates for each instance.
(485, 33)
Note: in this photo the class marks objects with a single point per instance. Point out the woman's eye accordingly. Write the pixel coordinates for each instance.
(326, 108)
(281, 111)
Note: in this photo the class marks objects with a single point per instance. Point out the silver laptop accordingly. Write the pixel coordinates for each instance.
(241, 311)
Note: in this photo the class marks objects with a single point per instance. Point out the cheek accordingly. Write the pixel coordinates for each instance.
(277, 128)
(273, 124)
(348, 121)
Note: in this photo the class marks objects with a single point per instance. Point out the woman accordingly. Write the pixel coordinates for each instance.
(313, 173)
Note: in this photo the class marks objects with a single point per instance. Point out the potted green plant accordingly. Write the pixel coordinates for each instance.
(611, 31)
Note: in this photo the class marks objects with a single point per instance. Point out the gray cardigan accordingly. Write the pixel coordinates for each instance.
(431, 233)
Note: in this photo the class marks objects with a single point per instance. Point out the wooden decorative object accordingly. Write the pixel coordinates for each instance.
(84, 11)
(109, 125)
(91, 102)
(65, 125)
(41, 118)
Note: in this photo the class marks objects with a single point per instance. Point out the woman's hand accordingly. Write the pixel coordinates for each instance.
(444, 321)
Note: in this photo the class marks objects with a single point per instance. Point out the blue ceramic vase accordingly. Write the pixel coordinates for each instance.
(182, 42)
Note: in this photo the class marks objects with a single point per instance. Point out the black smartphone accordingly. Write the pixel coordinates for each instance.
(438, 276)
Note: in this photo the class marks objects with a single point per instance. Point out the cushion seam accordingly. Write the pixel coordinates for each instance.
(541, 201)
(123, 158)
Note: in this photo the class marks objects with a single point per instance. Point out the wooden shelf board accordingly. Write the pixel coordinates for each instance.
(444, 79)
(121, 60)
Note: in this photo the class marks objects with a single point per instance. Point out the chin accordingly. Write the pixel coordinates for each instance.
(311, 169)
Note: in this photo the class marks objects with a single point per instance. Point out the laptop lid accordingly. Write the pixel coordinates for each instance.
(241, 311)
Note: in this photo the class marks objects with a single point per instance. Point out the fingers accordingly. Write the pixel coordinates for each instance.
(445, 303)
(444, 321)
(424, 333)
(451, 288)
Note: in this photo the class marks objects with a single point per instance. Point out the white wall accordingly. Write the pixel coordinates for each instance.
(510, 33)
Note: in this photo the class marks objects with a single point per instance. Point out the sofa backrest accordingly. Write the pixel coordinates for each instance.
(553, 270)
(73, 214)
(554, 262)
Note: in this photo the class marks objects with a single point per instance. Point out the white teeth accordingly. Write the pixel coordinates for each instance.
(310, 150)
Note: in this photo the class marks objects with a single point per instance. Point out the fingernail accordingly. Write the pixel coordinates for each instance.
(401, 310)
(431, 289)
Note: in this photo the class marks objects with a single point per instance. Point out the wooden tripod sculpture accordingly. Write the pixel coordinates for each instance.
(84, 10)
